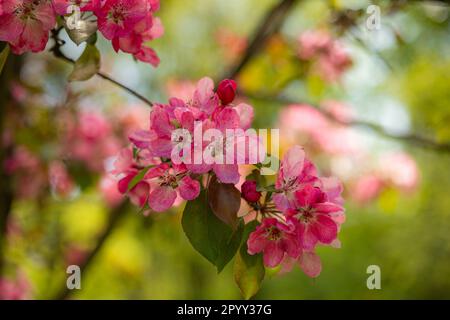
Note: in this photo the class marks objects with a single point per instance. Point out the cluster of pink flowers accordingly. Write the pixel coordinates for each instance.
(329, 56)
(167, 179)
(26, 24)
(306, 211)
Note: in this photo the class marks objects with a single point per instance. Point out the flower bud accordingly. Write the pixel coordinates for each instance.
(249, 192)
(226, 91)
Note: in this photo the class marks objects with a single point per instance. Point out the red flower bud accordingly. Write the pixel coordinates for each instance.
(249, 192)
(227, 91)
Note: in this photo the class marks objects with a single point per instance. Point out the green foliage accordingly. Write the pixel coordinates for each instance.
(211, 237)
(87, 65)
(249, 270)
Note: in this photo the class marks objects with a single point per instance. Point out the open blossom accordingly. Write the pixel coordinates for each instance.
(25, 24)
(129, 24)
(314, 216)
(308, 212)
(166, 182)
(275, 239)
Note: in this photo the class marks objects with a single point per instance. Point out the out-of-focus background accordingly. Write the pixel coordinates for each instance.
(362, 115)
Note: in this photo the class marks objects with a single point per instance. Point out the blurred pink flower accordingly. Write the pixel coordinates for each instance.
(330, 59)
(400, 170)
(232, 44)
(18, 289)
(366, 188)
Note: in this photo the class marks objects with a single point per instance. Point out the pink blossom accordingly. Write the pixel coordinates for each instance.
(317, 131)
(166, 182)
(25, 24)
(314, 217)
(275, 240)
(129, 24)
(295, 172)
(400, 170)
(329, 57)
(367, 188)
(199, 114)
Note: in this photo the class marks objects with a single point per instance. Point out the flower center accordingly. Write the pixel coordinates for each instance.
(273, 233)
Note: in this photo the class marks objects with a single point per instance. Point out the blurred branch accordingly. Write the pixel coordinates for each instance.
(59, 54)
(410, 138)
(114, 218)
(10, 72)
(271, 23)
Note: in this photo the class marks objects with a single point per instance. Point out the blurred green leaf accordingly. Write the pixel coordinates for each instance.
(249, 270)
(87, 65)
(211, 237)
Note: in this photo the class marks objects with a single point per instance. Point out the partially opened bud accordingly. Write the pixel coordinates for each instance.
(249, 192)
(226, 91)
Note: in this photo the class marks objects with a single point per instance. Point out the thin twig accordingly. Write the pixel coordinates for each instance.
(271, 23)
(59, 54)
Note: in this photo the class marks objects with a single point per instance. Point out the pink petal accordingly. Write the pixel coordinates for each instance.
(325, 229)
(189, 188)
(139, 194)
(293, 162)
(227, 173)
(142, 138)
(273, 254)
(310, 264)
(162, 198)
(246, 115)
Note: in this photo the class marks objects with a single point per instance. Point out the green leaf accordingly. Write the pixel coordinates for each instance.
(225, 201)
(138, 178)
(210, 236)
(249, 270)
(3, 57)
(87, 65)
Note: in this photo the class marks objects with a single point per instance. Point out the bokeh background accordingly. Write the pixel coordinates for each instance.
(363, 122)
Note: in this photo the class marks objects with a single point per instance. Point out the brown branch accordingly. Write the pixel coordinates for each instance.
(269, 25)
(411, 138)
(115, 216)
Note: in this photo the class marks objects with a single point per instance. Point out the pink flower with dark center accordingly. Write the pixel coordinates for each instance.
(167, 182)
(313, 214)
(275, 240)
(25, 24)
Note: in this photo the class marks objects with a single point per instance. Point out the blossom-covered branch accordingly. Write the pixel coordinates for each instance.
(411, 138)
